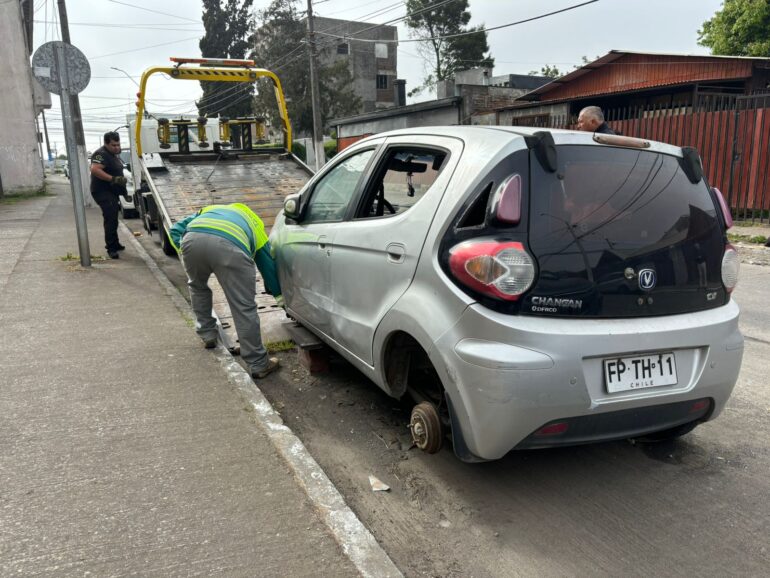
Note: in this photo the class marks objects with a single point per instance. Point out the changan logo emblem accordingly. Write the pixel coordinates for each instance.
(646, 279)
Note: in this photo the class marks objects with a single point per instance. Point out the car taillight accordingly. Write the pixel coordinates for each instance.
(731, 265)
(503, 270)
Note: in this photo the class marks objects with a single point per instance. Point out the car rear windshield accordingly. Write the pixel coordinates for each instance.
(608, 214)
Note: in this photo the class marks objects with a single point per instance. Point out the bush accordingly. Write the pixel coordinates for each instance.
(299, 151)
(330, 148)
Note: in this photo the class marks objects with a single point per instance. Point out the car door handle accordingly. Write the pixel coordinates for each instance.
(396, 253)
(323, 245)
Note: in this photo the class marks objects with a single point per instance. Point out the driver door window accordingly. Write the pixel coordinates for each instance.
(334, 192)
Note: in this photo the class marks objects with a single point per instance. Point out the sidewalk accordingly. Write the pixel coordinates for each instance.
(127, 448)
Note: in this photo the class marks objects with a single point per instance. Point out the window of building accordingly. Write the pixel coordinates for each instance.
(343, 48)
(382, 81)
(380, 50)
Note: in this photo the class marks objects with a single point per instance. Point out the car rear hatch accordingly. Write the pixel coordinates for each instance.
(622, 232)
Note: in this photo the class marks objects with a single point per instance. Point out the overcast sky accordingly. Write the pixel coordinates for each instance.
(132, 36)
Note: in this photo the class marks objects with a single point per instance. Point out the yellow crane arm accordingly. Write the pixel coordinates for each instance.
(213, 74)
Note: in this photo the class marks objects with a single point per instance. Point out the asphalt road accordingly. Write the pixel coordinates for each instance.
(698, 506)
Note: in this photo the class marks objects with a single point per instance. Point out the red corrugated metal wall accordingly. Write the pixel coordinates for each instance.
(731, 133)
(641, 71)
(734, 146)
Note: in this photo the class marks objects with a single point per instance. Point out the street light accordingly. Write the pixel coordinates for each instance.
(131, 78)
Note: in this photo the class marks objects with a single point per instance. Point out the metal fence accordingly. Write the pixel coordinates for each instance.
(731, 132)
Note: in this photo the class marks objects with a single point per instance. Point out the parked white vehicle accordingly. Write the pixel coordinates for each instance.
(127, 208)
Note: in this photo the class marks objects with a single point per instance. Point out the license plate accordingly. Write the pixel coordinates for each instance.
(640, 372)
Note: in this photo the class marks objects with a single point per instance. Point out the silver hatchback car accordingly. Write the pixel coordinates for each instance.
(526, 288)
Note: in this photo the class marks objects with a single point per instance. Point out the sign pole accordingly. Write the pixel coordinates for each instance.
(80, 139)
(76, 181)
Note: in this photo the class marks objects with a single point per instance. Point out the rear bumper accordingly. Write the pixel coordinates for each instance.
(623, 424)
(508, 376)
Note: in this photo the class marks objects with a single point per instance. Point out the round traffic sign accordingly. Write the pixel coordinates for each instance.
(45, 66)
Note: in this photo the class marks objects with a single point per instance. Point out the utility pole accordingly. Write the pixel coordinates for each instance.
(47, 140)
(318, 145)
(80, 140)
(39, 139)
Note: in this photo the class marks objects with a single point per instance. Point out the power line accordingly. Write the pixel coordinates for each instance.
(402, 18)
(153, 11)
(160, 26)
(328, 44)
(301, 45)
(378, 12)
(123, 98)
(459, 34)
(361, 6)
(148, 47)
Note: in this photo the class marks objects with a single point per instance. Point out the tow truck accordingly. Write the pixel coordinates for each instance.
(181, 164)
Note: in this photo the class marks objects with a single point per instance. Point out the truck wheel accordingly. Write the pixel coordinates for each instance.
(426, 428)
(151, 215)
(165, 242)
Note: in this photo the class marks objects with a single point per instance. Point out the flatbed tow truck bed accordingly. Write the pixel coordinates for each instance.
(187, 183)
(181, 184)
(186, 164)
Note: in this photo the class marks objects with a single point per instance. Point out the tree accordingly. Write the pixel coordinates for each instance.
(446, 53)
(280, 46)
(740, 28)
(547, 70)
(229, 29)
(585, 60)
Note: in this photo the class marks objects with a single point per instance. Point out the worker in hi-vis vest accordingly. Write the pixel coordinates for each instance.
(228, 240)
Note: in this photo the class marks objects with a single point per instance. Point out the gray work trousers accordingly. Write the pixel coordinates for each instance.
(204, 254)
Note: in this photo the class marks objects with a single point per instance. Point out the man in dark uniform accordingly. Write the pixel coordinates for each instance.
(107, 182)
(591, 119)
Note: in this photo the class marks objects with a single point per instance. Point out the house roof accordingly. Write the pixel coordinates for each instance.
(624, 71)
(397, 111)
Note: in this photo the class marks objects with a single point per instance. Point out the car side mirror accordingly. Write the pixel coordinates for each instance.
(291, 207)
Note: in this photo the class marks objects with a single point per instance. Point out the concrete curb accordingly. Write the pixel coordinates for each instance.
(358, 544)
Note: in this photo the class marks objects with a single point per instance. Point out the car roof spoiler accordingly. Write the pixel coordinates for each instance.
(545, 149)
